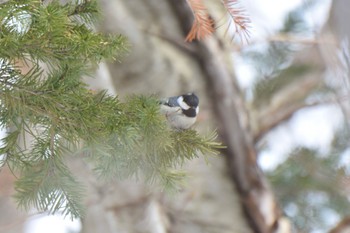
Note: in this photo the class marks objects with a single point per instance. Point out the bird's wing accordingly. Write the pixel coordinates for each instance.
(168, 111)
(171, 101)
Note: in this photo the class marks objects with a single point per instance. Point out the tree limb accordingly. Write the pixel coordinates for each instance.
(342, 227)
(258, 204)
(284, 104)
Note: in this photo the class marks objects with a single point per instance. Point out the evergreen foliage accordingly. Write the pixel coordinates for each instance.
(49, 113)
(311, 188)
(266, 89)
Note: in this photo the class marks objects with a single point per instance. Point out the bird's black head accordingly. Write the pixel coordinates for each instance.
(191, 99)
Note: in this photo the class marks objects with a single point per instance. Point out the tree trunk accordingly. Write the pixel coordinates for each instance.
(337, 55)
(230, 194)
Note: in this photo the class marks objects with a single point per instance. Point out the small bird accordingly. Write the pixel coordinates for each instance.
(181, 111)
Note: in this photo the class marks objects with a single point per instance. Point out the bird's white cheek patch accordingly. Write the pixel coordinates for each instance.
(197, 110)
(182, 104)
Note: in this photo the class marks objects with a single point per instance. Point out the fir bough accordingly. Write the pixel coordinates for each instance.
(145, 147)
(49, 113)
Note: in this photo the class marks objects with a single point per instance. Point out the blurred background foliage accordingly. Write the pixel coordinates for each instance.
(311, 184)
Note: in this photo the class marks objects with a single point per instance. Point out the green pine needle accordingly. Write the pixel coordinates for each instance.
(50, 114)
(49, 187)
(146, 147)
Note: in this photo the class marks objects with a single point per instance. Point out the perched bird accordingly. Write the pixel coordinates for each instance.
(181, 111)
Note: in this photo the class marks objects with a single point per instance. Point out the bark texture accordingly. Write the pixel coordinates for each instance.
(160, 62)
(228, 195)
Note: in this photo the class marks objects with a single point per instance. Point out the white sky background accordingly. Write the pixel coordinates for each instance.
(51, 224)
(313, 128)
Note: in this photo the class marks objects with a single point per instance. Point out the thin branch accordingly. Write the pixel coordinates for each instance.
(140, 200)
(286, 112)
(180, 45)
(279, 116)
(285, 103)
(342, 227)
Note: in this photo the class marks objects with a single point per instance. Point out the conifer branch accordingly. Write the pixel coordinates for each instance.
(49, 187)
(238, 19)
(203, 25)
(50, 113)
(154, 152)
(86, 10)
